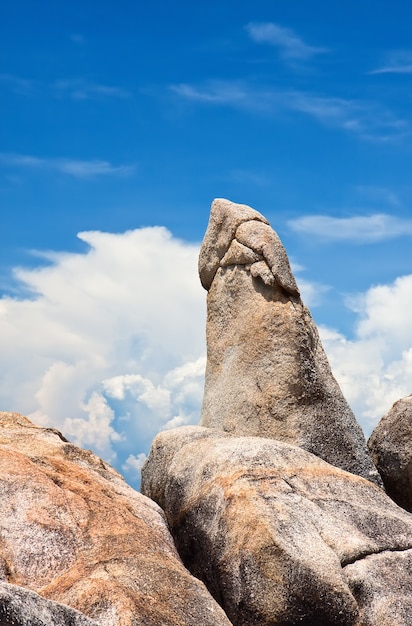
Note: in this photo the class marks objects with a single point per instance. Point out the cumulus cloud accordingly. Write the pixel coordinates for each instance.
(109, 344)
(133, 465)
(290, 45)
(374, 368)
(359, 229)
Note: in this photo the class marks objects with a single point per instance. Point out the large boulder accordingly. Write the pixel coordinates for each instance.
(278, 535)
(267, 374)
(21, 607)
(74, 532)
(390, 446)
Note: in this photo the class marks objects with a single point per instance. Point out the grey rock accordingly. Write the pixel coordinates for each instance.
(381, 584)
(390, 446)
(21, 607)
(265, 241)
(278, 535)
(267, 374)
(225, 217)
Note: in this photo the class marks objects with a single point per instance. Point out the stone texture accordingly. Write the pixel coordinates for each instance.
(279, 536)
(390, 446)
(267, 374)
(21, 607)
(382, 584)
(73, 531)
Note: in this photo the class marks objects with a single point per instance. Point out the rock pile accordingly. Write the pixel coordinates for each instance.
(257, 497)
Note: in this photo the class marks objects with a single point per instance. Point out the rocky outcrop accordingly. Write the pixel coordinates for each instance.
(74, 532)
(278, 535)
(390, 446)
(267, 374)
(21, 607)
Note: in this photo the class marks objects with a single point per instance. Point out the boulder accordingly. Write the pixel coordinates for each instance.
(278, 535)
(390, 446)
(74, 532)
(267, 374)
(21, 607)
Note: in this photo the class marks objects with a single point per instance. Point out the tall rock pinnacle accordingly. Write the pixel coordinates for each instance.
(267, 374)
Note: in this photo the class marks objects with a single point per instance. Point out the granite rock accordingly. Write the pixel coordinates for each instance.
(278, 535)
(74, 532)
(21, 607)
(390, 446)
(267, 374)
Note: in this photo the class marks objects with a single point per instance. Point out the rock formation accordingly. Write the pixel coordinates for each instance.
(391, 448)
(278, 535)
(267, 374)
(274, 505)
(74, 532)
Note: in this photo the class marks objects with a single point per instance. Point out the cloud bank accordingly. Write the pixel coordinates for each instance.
(108, 345)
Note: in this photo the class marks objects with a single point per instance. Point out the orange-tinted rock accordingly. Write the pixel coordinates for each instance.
(73, 531)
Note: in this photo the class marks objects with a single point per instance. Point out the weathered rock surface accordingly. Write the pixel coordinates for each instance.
(267, 374)
(21, 607)
(73, 531)
(278, 535)
(390, 446)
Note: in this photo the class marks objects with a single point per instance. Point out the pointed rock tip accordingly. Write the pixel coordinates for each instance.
(224, 207)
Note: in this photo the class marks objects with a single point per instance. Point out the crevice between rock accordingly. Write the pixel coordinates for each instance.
(363, 555)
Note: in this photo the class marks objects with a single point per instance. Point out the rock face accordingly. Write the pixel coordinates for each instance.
(74, 532)
(267, 374)
(391, 448)
(20, 607)
(279, 536)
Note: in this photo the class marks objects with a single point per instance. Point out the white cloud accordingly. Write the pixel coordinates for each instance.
(291, 46)
(375, 368)
(378, 195)
(214, 92)
(357, 229)
(109, 347)
(397, 62)
(368, 120)
(133, 465)
(82, 89)
(72, 167)
(16, 84)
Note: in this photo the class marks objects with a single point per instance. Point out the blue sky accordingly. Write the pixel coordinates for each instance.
(122, 121)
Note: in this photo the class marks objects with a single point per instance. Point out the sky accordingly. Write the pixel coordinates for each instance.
(120, 122)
